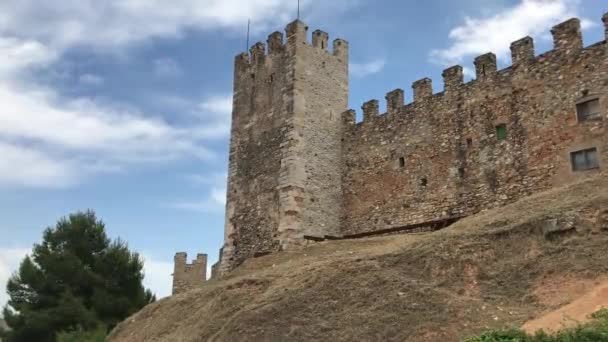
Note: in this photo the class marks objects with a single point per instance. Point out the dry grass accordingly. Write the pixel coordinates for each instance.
(482, 272)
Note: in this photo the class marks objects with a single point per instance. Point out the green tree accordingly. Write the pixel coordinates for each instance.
(77, 279)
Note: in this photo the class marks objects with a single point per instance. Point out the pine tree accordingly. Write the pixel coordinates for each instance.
(77, 279)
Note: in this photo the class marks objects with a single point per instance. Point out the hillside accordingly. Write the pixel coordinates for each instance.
(500, 268)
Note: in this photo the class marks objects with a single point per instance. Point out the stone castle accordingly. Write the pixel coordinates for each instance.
(302, 168)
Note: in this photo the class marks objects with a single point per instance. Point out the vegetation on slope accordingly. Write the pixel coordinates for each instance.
(594, 331)
(76, 279)
(489, 271)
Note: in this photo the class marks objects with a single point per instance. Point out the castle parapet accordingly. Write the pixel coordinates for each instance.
(485, 66)
(453, 78)
(320, 39)
(567, 36)
(275, 42)
(187, 276)
(522, 51)
(241, 62)
(258, 52)
(349, 117)
(296, 33)
(422, 89)
(340, 48)
(394, 101)
(370, 110)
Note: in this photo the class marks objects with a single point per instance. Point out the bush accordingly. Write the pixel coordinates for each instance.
(98, 335)
(594, 331)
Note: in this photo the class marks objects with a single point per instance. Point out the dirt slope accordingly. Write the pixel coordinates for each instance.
(574, 313)
(499, 268)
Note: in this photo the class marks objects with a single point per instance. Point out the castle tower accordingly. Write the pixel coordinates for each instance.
(187, 276)
(285, 149)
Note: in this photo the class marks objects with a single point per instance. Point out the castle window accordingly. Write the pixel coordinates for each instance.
(501, 132)
(271, 78)
(588, 110)
(584, 159)
(469, 142)
(401, 162)
(424, 182)
(461, 172)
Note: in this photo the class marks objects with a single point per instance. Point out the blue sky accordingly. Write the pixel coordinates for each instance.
(123, 106)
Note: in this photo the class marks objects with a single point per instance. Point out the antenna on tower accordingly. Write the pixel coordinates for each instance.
(247, 42)
(298, 17)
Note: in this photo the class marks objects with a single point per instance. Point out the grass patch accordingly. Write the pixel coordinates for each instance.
(594, 331)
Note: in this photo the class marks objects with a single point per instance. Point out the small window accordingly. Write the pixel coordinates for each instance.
(461, 172)
(401, 162)
(584, 160)
(469, 142)
(501, 132)
(271, 78)
(588, 110)
(424, 182)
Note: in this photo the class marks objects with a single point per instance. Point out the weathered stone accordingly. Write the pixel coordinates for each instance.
(187, 276)
(602, 219)
(284, 178)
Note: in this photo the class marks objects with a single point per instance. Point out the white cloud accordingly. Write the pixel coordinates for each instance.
(158, 276)
(91, 80)
(495, 33)
(58, 141)
(50, 141)
(10, 258)
(366, 69)
(27, 167)
(214, 201)
(121, 22)
(219, 104)
(17, 55)
(166, 67)
(215, 178)
(217, 111)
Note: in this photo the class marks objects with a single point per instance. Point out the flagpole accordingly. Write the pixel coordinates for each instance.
(247, 43)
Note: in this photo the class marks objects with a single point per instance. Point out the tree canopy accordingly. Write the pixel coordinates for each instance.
(77, 279)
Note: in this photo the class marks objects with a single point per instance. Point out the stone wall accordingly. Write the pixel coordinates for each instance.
(300, 165)
(187, 276)
(284, 170)
(442, 156)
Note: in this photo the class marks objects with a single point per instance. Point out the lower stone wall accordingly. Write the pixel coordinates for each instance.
(442, 156)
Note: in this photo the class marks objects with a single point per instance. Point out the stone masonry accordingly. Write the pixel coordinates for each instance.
(187, 276)
(300, 164)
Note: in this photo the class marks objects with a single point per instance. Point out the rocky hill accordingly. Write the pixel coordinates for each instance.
(500, 268)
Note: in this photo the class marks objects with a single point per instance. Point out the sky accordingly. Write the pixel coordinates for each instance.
(123, 106)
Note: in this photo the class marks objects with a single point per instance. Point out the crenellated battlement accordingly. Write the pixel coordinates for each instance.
(522, 51)
(297, 36)
(567, 36)
(485, 66)
(187, 276)
(567, 39)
